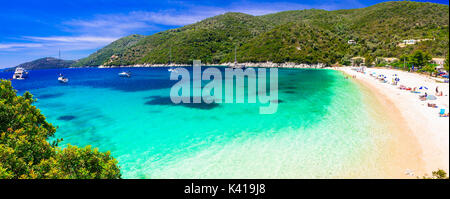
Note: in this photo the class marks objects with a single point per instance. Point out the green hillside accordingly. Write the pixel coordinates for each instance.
(45, 63)
(104, 54)
(303, 36)
(209, 40)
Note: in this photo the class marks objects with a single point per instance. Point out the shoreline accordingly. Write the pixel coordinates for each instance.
(247, 64)
(421, 140)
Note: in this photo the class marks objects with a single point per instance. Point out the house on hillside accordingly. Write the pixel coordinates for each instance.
(410, 42)
(440, 63)
(404, 43)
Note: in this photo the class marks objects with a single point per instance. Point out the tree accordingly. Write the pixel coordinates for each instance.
(439, 174)
(403, 59)
(346, 61)
(429, 68)
(25, 152)
(369, 60)
(419, 58)
(358, 61)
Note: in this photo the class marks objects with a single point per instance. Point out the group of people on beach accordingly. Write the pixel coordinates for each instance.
(424, 97)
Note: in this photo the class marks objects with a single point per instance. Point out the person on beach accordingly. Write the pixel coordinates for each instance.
(437, 90)
(424, 97)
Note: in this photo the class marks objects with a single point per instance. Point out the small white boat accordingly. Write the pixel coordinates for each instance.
(172, 70)
(63, 79)
(20, 73)
(125, 74)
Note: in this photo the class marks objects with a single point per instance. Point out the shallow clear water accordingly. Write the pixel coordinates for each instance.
(322, 129)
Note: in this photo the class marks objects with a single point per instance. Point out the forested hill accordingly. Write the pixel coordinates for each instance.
(44, 63)
(116, 47)
(302, 36)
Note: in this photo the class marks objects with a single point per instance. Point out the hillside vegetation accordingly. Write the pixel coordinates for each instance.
(301, 36)
(45, 63)
(98, 58)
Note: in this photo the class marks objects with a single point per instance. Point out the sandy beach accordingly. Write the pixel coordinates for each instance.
(422, 138)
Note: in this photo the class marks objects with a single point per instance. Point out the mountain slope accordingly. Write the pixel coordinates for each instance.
(45, 63)
(303, 36)
(294, 42)
(208, 40)
(104, 54)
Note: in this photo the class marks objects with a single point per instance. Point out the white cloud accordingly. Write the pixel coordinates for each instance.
(12, 46)
(75, 39)
(124, 24)
(57, 42)
(167, 17)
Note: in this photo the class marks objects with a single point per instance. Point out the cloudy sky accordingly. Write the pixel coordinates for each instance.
(32, 29)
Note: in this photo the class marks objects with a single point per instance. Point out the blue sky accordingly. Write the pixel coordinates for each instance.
(31, 29)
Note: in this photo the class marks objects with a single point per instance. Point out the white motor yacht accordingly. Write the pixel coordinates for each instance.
(20, 73)
(63, 79)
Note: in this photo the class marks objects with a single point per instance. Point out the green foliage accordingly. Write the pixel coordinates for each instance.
(419, 58)
(346, 62)
(358, 61)
(429, 68)
(25, 152)
(293, 42)
(104, 55)
(302, 36)
(45, 63)
(439, 175)
(369, 60)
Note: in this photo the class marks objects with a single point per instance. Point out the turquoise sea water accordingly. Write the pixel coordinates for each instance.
(322, 129)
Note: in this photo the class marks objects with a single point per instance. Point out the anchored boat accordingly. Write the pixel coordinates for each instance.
(125, 74)
(20, 73)
(63, 79)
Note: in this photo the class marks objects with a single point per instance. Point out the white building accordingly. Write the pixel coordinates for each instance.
(410, 42)
(351, 42)
(439, 61)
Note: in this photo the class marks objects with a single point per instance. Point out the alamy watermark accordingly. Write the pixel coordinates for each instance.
(256, 85)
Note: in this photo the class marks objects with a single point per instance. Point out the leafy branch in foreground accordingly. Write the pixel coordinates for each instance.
(25, 152)
(439, 174)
